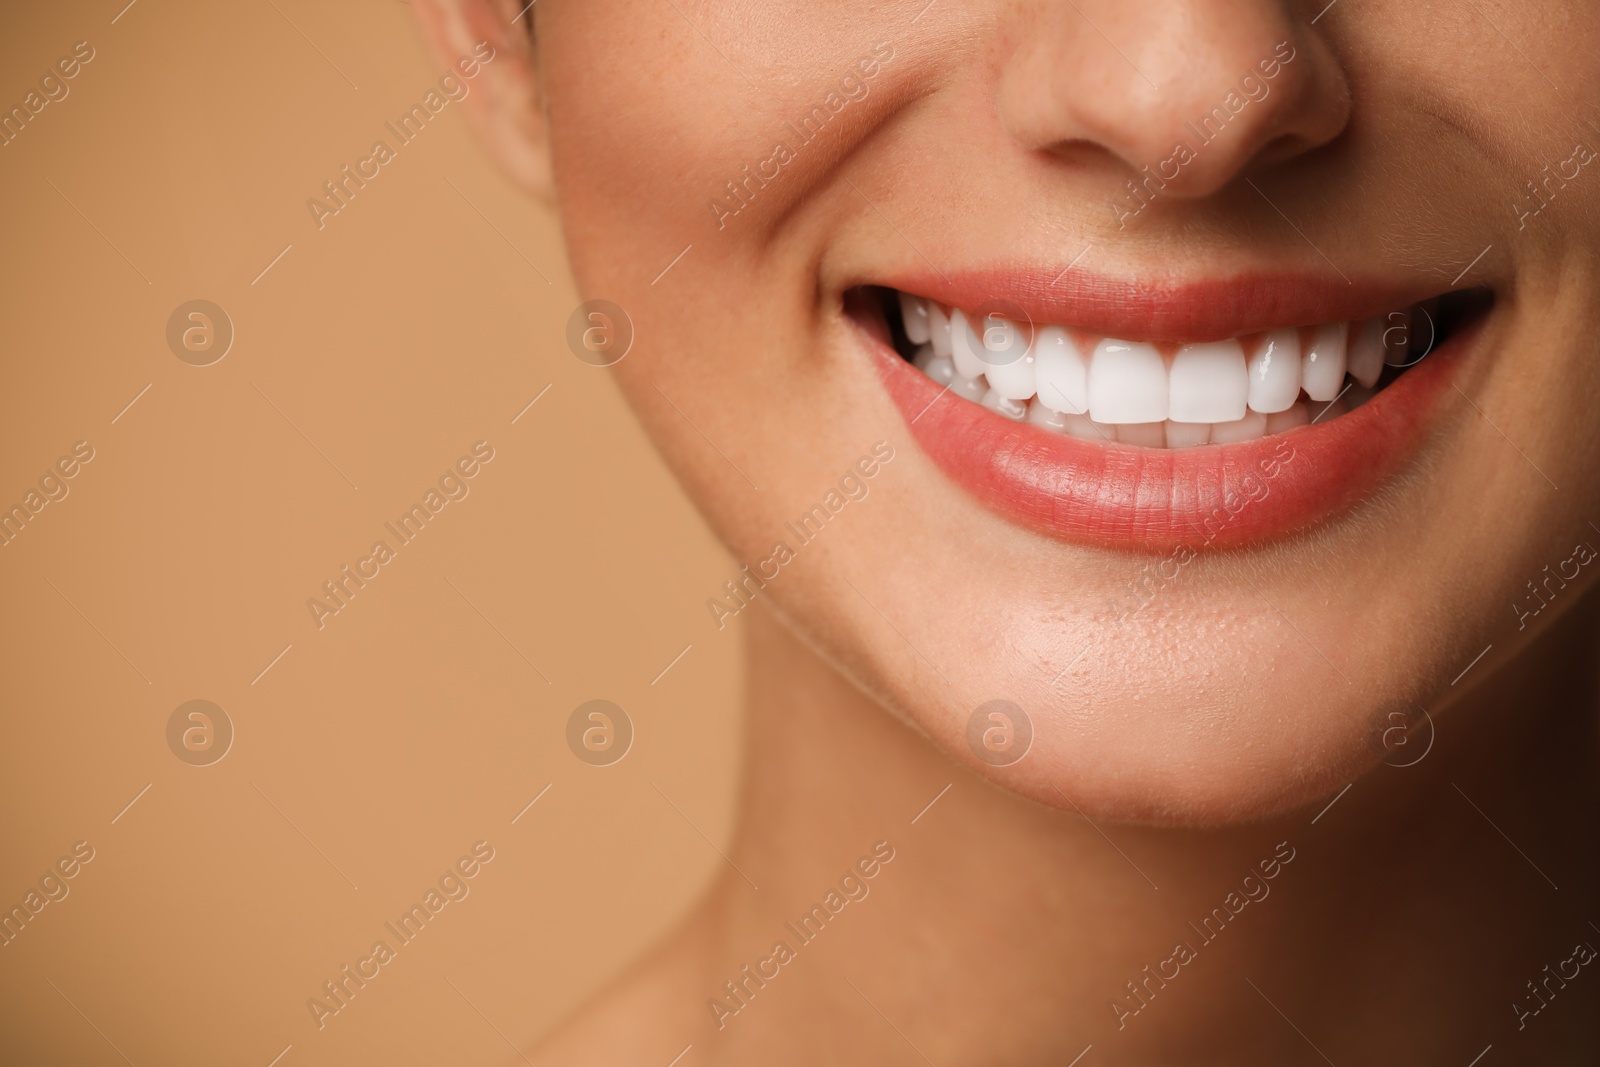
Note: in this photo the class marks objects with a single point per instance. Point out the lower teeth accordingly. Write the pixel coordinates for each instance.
(942, 369)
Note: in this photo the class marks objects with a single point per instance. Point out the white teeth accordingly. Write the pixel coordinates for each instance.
(938, 329)
(1188, 434)
(1365, 362)
(1322, 366)
(965, 346)
(1016, 410)
(1248, 428)
(1014, 380)
(1086, 428)
(940, 368)
(973, 389)
(1060, 372)
(1275, 372)
(1208, 383)
(996, 348)
(1127, 383)
(1128, 392)
(1039, 415)
(1004, 342)
(914, 315)
(1068, 423)
(1299, 415)
(1146, 434)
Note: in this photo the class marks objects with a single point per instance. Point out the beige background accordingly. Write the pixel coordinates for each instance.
(181, 561)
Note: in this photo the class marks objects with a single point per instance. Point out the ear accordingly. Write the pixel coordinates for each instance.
(505, 105)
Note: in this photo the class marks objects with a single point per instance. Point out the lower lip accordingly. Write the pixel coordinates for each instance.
(1217, 495)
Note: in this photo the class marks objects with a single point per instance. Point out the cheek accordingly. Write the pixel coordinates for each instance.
(619, 143)
(727, 309)
(637, 167)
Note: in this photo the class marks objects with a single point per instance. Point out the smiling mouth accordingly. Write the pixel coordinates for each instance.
(1166, 394)
(1124, 414)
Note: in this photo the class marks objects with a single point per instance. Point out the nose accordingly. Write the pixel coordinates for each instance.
(1196, 90)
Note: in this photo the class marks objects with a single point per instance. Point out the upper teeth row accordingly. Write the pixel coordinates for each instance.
(1119, 382)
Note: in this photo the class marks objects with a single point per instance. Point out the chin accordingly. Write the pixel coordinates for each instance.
(1231, 758)
(1150, 727)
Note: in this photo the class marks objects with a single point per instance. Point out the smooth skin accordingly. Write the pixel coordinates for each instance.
(1178, 748)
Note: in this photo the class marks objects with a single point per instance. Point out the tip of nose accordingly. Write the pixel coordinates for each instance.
(1242, 101)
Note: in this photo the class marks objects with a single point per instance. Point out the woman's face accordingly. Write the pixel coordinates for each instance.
(1158, 217)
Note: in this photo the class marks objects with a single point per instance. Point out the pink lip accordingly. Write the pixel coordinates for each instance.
(1209, 310)
(1118, 495)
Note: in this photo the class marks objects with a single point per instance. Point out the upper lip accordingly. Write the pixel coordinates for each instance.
(1165, 310)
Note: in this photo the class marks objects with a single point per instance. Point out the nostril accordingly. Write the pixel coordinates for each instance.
(1283, 147)
(1086, 153)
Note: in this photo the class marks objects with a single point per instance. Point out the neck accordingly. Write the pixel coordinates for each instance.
(1006, 932)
